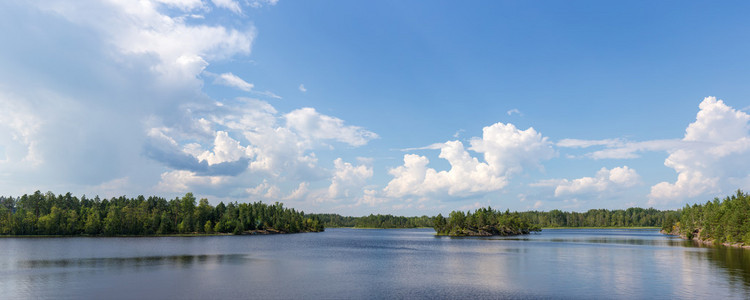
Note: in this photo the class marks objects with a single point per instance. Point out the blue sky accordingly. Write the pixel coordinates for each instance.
(357, 107)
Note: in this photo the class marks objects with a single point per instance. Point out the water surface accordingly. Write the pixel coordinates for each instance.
(374, 264)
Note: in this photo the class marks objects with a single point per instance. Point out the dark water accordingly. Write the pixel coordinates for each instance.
(374, 264)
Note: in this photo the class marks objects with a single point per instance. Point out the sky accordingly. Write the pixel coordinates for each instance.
(392, 107)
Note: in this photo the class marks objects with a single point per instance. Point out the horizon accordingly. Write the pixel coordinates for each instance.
(359, 108)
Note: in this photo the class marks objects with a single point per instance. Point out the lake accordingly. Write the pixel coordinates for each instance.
(374, 264)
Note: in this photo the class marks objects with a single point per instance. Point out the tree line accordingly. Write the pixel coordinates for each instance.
(723, 221)
(50, 214)
(374, 221)
(631, 217)
(483, 221)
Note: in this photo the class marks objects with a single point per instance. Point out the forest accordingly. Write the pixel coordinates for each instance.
(631, 217)
(483, 222)
(719, 221)
(48, 214)
(374, 221)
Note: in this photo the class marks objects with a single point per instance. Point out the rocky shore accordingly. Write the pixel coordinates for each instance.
(696, 236)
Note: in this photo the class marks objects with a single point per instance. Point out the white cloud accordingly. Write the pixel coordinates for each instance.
(619, 148)
(348, 179)
(232, 80)
(605, 181)
(506, 149)
(372, 198)
(630, 149)
(311, 125)
(179, 181)
(714, 156)
(185, 5)
(251, 139)
(19, 127)
(514, 111)
(260, 3)
(302, 190)
(268, 94)
(231, 5)
(113, 90)
(302, 88)
(139, 28)
(226, 149)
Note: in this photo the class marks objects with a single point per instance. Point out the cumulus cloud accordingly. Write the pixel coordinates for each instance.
(302, 190)
(348, 179)
(250, 136)
(86, 76)
(714, 155)
(232, 80)
(165, 149)
(302, 88)
(605, 181)
(372, 198)
(114, 91)
(506, 150)
(311, 125)
(226, 149)
(179, 181)
(140, 28)
(514, 111)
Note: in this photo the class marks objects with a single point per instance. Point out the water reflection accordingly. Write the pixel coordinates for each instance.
(179, 261)
(736, 263)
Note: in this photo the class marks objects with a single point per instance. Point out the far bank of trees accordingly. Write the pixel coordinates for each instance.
(390, 221)
(50, 214)
(631, 217)
(374, 221)
(723, 221)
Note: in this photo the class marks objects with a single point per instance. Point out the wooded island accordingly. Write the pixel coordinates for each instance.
(483, 222)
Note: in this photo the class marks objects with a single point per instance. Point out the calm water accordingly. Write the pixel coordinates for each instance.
(366, 264)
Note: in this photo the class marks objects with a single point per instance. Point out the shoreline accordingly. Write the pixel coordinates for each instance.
(707, 242)
(192, 234)
(603, 227)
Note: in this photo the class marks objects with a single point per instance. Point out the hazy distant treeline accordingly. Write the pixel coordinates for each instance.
(374, 221)
(631, 217)
(48, 214)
